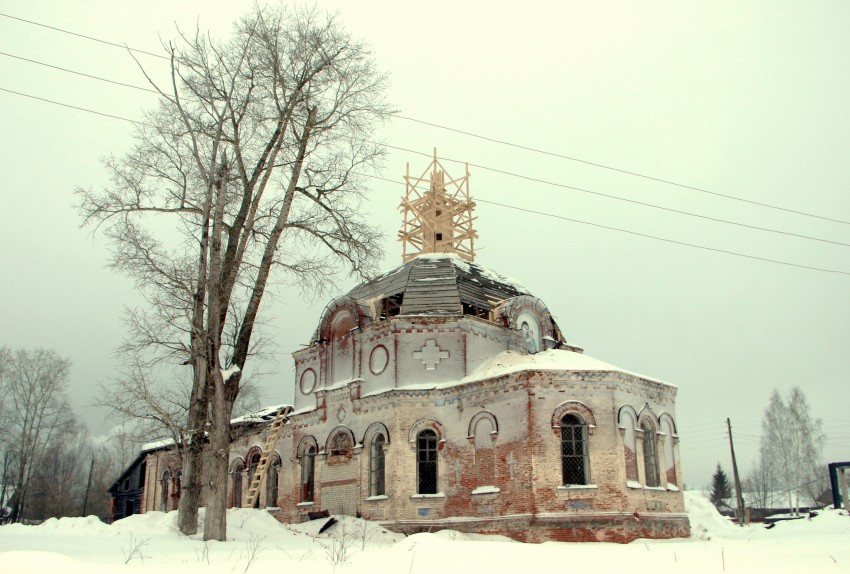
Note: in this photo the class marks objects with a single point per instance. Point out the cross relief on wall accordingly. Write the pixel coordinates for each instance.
(430, 354)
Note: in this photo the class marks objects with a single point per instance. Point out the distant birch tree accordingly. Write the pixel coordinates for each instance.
(35, 405)
(253, 155)
(791, 444)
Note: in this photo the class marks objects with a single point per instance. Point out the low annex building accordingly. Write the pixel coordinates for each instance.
(444, 395)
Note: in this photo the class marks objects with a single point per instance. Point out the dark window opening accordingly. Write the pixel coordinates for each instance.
(390, 307)
(164, 485)
(237, 485)
(128, 507)
(253, 463)
(650, 455)
(272, 481)
(426, 462)
(341, 445)
(377, 465)
(573, 450)
(438, 236)
(307, 474)
(142, 472)
(126, 484)
(475, 311)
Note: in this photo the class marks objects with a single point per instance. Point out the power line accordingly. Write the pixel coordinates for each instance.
(70, 106)
(79, 73)
(619, 170)
(639, 234)
(122, 46)
(634, 201)
(511, 174)
(510, 144)
(513, 207)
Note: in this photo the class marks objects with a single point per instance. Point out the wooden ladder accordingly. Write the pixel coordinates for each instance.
(259, 478)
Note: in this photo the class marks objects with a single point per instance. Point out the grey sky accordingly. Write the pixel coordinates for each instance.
(745, 99)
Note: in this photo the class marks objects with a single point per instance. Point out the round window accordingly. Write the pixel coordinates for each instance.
(308, 381)
(379, 359)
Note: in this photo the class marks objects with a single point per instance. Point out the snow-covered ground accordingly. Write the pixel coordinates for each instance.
(150, 543)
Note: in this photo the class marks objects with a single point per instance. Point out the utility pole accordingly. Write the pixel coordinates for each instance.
(735, 472)
(88, 487)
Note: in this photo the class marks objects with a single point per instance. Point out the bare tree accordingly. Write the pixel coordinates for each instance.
(759, 484)
(36, 405)
(792, 443)
(58, 481)
(254, 153)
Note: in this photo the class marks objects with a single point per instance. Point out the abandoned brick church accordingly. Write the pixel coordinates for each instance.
(443, 395)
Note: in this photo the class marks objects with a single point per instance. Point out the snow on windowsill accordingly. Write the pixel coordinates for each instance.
(437, 495)
(633, 484)
(672, 487)
(486, 490)
(377, 497)
(307, 503)
(661, 488)
(577, 487)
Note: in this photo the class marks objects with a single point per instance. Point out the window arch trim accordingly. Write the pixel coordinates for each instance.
(627, 409)
(332, 436)
(423, 424)
(308, 440)
(665, 416)
(374, 429)
(477, 417)
(576, 408)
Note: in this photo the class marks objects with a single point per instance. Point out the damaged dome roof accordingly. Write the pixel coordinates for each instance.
(440, 284)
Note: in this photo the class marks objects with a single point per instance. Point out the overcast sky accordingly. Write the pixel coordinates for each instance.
(743, 99)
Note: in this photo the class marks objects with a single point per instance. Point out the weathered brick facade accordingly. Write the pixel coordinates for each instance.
(442, 395)
(496, 408)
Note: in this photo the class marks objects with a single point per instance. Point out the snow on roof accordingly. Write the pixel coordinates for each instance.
(552, 360)
(264, 414)
(508, 362)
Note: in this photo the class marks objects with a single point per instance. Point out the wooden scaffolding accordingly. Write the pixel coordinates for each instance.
(437, 213)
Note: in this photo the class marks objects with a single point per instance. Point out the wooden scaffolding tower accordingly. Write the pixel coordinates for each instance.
(437, 214)
(272, 438)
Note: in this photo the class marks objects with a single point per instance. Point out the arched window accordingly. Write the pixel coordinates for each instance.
(253, 463)
(177, 483)
(308, 459)
(573, 450)
(377, 464)
(426, 462)
(341, 445)
(236, 478)
(650, 454)
(272, 481)
(165, 485)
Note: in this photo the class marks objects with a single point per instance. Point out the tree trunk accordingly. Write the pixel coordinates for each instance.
(190, 493)
(215, 521)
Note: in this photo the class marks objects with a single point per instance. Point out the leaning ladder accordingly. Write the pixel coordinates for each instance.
(259, 478)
